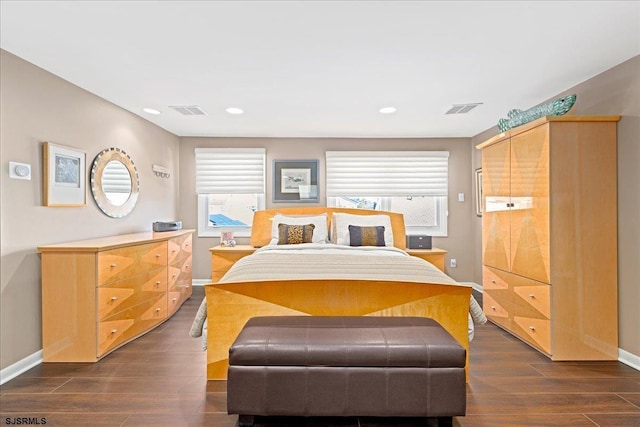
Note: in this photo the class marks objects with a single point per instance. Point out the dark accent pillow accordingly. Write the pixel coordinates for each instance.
(295, 234)
(366, 236)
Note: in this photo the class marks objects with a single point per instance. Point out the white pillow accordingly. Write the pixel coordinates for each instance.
(342, 221)
(320, 232)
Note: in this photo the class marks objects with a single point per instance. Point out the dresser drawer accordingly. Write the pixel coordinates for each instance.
(124, 294)
(178, 297)
(533, 298)
(179, 249)
(493, 278)
(180, 272)
(536, 331)
(179, 286)
(498, 307)
(497, 297)
(118, 264)
(531, 320)
(519, 304)
(129, 323)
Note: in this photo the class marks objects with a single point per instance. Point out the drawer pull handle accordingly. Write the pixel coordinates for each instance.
(174, 300)
(532, 296)
(174, 251)
(158, 283)
(493, 280)
(114, 298)
(532, 328)
(114, 265)
(157, 255)
(493, 307)
(175, 274)
(113, 331)
(186, 266)
(186, 286)
(158, 310)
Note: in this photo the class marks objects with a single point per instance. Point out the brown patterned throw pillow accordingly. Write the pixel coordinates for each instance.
(295, 234)
(366, 236)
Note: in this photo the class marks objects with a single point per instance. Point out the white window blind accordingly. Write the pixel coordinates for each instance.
(230, 170)
(387, 173)
(116, 178)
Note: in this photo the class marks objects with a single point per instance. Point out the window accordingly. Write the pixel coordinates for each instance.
(413, 183)
(422, 214)
(230, 184)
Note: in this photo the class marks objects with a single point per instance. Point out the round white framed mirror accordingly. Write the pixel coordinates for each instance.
(114, 182)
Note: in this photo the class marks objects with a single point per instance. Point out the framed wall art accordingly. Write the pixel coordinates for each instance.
(295, 181)
(64, 176)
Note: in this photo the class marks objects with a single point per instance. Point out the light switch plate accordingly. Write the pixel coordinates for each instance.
(19, 170)
(461, 197)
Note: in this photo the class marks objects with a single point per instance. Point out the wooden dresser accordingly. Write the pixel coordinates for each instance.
(100, 294)
(549, 235)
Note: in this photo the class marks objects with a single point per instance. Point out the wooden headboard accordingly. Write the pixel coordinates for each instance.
(262, 221)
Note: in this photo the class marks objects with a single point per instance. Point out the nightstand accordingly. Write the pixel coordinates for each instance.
(223, 257)
(435, 256)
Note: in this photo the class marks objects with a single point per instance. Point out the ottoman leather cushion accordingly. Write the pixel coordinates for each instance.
(346, 341)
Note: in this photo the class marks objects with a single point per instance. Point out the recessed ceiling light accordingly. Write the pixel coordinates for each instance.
(234, 110)
(387, 110)
(151, 111)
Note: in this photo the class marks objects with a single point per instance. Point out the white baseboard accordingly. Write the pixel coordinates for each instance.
(200, 282)
(12, 371)
(629, 359)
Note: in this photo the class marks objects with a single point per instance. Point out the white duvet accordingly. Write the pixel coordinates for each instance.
(329, 261)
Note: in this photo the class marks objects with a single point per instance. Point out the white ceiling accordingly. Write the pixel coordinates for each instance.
(323, 68)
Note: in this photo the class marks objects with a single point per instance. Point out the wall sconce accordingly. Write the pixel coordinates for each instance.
(161, 171)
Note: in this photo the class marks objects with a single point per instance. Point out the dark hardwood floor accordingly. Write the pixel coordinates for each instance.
(159, 380)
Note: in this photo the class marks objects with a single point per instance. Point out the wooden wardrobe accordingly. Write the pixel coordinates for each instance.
(549, 235)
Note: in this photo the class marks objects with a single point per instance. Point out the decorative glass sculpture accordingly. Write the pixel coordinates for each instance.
(515, 118)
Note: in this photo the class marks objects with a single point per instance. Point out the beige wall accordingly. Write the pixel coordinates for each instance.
(37, 106)
(460, 172)
(614, 92)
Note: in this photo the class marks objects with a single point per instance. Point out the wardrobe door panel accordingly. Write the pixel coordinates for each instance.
(496, 216)
(529, 237)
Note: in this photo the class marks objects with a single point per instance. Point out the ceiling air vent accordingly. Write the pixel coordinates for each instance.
(462, 108)
(189, 110)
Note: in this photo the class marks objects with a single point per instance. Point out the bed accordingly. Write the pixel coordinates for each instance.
(330, 261)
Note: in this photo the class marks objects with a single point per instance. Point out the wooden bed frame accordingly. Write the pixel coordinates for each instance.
(231, 305)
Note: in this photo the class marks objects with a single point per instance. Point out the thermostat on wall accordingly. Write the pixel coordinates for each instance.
(19, 170)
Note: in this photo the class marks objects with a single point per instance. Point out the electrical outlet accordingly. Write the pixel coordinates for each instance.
(453, 263)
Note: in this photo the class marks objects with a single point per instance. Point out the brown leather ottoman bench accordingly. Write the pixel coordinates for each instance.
(346, 366)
